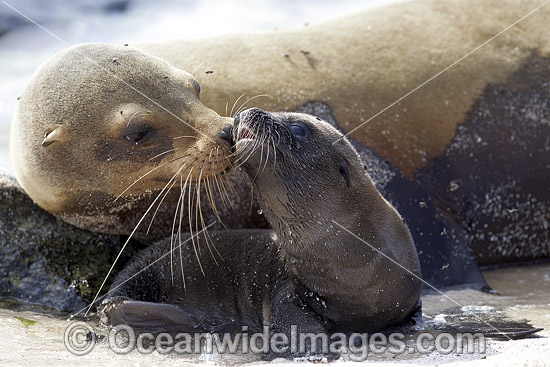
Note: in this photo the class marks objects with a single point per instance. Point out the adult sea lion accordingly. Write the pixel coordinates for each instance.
(339, 257)
(362, 63)
(473, 138)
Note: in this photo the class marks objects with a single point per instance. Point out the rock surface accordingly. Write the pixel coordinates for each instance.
(46, 261)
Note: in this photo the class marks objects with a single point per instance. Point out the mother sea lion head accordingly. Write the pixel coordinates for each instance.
(97, 121)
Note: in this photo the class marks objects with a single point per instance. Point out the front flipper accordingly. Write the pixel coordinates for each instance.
(155, 318)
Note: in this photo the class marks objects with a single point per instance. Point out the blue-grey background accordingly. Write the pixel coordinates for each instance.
(24, 46)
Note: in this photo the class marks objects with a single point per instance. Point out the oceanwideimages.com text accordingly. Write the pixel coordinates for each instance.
(80, 339)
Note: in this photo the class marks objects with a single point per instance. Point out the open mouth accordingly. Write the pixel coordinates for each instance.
(241, 132)
(245, 138)
(242, 137)
(244, 134)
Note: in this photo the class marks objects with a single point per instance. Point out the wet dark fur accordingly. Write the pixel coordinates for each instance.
(443, 248)
(486, 199)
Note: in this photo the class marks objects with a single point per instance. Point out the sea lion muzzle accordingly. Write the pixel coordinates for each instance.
(225, 134)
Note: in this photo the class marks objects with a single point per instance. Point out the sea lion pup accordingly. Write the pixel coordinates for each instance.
(101, 130)
(329, 264)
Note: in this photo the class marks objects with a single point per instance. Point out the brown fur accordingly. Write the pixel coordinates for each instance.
(360, 64)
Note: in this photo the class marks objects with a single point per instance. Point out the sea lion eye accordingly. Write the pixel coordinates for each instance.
(197, 88)
(299, 131)
(138, 137)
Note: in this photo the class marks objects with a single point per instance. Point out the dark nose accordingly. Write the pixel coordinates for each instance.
(225, 134)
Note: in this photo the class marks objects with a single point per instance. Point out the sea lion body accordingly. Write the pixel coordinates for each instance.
(462, 157)
(452, 94)
(360, 64)
(339, 257)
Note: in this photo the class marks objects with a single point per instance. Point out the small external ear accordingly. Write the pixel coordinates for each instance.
(52, 135)
(344, 171)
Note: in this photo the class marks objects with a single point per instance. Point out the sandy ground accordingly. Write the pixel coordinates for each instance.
(524, 295)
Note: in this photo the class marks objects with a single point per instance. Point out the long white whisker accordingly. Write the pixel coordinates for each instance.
(135, 275)
(180, 202)
(168, 151)
(190, 218)
(250, 99)
(234, 104)
(189, 164)
(196, 67)
(128, 240)
(148, 173)
(185, 136)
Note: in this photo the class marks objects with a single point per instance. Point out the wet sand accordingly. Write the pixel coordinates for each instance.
(524, 294)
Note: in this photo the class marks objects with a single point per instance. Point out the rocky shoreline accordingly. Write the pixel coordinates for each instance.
(46, 261)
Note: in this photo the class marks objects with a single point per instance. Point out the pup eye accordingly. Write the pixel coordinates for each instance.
(299, 131)
(138, 137)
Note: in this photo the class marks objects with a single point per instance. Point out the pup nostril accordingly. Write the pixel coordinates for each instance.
(225, 134)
